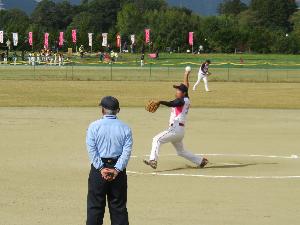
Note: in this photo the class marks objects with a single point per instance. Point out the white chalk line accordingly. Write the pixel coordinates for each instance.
(212, 176)
(252, 155)
(221, 176)
(233, 155)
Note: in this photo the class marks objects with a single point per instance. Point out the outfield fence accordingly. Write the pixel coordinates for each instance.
(149, 72)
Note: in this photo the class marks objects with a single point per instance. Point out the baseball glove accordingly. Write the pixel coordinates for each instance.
(152, 106)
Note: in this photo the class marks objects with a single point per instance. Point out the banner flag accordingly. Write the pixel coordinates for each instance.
(30, 39)
(147, 36)
(74, 36)
(1, 36)
(104, 41)
(15, 39)
(191, 38)
(90, 39)
(132, 38)
(61, 39)
(119, 41)
(46, 40)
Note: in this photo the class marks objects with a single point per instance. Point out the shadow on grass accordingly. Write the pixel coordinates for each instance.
(216, 166)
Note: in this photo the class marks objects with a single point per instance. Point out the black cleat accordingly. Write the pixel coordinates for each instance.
(151, 163)
(203, 163)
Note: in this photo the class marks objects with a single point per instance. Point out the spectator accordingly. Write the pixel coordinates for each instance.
(15, 58)
(81, 51)
(142, 60)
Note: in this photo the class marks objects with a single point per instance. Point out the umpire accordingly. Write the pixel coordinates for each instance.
(109, 145)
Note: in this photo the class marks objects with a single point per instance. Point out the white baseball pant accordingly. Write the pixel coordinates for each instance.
(174, 135)
(205, 80)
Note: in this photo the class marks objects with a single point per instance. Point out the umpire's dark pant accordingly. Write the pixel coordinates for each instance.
(116, 192)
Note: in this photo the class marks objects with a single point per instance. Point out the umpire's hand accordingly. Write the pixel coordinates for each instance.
(109, 174)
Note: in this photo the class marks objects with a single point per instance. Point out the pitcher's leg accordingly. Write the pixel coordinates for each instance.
(186, 154)
(159, 139)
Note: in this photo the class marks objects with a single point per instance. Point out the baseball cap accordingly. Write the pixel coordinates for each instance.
(181, 87)
(110, 103)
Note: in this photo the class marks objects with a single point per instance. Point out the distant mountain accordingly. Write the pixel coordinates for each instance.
(72, 1)
(203, 7)
(26, 5)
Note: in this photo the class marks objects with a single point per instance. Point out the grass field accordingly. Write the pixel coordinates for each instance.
(44, 168)
(277, 60)
(169, 67)
(148, 73)
(137, 93)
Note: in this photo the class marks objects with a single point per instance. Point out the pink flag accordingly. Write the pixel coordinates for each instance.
(191, 38)
(147, 36)
(61, 39)
(30, 39)
(118, 41)
(46, 41)
(74, 36)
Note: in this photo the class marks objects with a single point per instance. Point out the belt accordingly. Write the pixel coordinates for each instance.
(180, 124)
(110, 162)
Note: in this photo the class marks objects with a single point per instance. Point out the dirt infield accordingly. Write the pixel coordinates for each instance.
(253, 178)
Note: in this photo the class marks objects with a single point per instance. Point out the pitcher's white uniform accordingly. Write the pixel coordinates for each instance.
(175, 133)
(202, 75)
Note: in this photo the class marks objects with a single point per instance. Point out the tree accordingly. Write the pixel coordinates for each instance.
(130, 20)
(295, 35)
(149, 5)
(65, 12)
(173, 32)
(45, 15)
(15, 20)
(295, 21)
(104, 13)
(274, 14)
(53, 16)
(83, 23)
(232, 7)
(222, 33)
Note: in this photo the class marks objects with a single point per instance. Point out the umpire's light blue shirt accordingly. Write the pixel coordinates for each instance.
(109, 138)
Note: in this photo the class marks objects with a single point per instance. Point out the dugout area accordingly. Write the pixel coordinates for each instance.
(254, 177)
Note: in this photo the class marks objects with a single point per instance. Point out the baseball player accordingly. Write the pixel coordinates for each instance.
(175, 133)
(203, 75)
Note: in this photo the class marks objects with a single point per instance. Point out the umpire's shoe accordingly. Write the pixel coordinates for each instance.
(151, 163)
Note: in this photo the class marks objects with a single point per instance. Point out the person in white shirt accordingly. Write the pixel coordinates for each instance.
(60, 59)
(29, 59)
(55, 58)
(32, 59)
(38, 58)
(203, 75)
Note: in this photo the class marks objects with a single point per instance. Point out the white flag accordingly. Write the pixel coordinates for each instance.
(15, 39)
(132, 38)
(104, 41)
(90, 39)
(1, 36)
